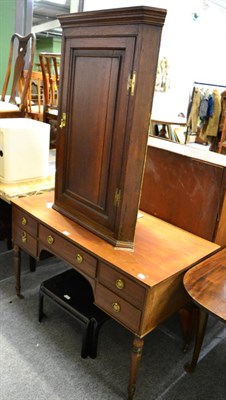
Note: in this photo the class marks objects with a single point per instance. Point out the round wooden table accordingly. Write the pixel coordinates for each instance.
(206, 285)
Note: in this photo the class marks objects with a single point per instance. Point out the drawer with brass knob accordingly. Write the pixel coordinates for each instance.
(72, 254)
(23, 239)
(122, 285)
(24, 221)
(118, 308)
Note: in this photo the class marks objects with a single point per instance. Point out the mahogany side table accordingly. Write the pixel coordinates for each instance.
(206, 285)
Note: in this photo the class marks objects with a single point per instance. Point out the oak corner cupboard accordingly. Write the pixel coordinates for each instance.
(108, 69)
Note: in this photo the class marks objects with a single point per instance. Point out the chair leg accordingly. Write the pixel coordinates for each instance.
(94, 338)
(40, 307)
(86, 340)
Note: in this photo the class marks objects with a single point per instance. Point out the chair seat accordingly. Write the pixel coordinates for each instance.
(36, 109)
(52, 111)
(5, 106)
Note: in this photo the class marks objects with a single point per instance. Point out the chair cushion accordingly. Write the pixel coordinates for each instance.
(35, 109)
(53, 111)
(4, 106)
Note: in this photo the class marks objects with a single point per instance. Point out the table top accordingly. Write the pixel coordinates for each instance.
(206, 284)
(168, 120)
(161, 250)
(201, 154)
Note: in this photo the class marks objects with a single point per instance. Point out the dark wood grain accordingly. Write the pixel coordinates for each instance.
(186, 190)
(102, 149)
(206, 284)
(151, 276)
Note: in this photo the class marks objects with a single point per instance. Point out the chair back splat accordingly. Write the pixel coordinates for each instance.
(50, 66)
(20, 84)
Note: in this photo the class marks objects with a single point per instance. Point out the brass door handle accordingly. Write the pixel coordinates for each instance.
(63, 121)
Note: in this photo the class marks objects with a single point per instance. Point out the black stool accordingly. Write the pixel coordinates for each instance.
(73, 293)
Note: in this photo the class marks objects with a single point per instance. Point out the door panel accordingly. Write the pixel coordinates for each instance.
(91, 133)
(96, 99)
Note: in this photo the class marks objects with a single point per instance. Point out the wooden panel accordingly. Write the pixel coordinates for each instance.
(128, 289)
(108, 72)
(24, 240)
(163, 300)
(220, 237)
(24, 221)
(127, 314)
(89, 155)
(95, 132)
(183, 191)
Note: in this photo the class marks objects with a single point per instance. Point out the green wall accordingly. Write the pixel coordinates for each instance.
(47, 44)
(11, 12)
(7, 29)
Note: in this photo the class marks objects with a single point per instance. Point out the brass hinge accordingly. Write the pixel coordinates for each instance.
(131, 83)
(117, 197)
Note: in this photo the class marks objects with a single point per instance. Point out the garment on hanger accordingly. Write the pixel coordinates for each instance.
(193, 117)
(203, 108)
(210, 127)
(205, 112)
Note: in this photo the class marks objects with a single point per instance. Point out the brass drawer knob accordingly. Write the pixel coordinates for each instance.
(50, 239)
(79, 258)
(119, 283)
(116, 307)
(24, 237)
(24, 221)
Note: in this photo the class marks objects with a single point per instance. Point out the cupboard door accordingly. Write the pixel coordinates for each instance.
(92, 145)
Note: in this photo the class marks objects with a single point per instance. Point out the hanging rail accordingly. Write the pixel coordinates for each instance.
(209, 84)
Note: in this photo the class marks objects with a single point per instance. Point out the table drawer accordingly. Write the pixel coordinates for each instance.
(24, 221)
(118, 308)
(61, 247)
(25, 241)
(122, 285)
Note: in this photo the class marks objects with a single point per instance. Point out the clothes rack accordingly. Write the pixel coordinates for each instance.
(209, 84)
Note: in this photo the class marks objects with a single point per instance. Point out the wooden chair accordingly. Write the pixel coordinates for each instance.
(50, 66)
(35, 97)
(13, 103)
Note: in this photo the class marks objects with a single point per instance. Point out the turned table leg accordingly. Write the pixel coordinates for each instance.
(201, 327)
(17, 264)
(135, 360)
